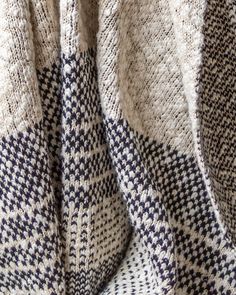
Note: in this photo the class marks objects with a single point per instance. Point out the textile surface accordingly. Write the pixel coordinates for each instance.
(117, 147)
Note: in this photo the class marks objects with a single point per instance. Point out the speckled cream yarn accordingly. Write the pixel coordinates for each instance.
(117, 147)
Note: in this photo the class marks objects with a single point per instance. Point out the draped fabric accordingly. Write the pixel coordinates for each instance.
(117, 147)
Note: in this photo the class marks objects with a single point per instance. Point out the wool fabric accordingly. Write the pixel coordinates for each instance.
(117, 147)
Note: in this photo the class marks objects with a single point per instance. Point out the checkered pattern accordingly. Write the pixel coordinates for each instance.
(29, 239)
(177, 238)
(91, 206)
(94, 225)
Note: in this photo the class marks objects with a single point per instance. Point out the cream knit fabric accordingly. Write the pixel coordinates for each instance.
(117, 147)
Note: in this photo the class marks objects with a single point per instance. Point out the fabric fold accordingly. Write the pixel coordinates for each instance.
(117, 147)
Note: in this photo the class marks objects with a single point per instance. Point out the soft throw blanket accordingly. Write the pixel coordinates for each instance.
(117, 147)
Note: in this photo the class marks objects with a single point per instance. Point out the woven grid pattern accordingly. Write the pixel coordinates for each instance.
(117, 147)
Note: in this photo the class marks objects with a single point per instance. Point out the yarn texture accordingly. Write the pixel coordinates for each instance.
(117, 147)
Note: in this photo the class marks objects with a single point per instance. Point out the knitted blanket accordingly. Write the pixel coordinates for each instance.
(117, 147)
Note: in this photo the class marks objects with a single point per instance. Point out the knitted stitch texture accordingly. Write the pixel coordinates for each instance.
(117, 147)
